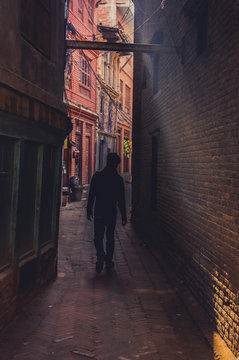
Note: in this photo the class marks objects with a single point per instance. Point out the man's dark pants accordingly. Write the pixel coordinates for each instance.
(100, 225)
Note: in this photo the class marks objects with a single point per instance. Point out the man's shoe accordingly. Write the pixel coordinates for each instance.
(99, 263)
(110, 265)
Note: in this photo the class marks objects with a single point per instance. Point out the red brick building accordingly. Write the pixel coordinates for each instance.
(186, 149)
(80, 94)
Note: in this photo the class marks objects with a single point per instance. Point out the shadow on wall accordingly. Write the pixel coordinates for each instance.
(182, 272)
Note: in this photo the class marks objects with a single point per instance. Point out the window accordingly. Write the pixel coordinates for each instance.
(80, 9)
(50, 178)
(101, 120)
(90, 9)
(8, 169)
(36, 24)
(110, 117)
(126, 134)
(202, 31)
(84, 72)
(77, 125)
(27, 212)
(121, 94)
(84, 77)
(127, 99)
(80, 5)
(71, 5)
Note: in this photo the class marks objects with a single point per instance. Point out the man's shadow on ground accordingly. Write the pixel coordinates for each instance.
(110, 280)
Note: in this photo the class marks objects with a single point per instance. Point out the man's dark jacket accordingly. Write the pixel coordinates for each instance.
(107, 190)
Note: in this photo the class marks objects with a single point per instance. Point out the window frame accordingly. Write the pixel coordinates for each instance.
(10, 150)
(28, 198)
(90, 10)
(71, 5)
(84, 75)
(80, 9)
(33, 36)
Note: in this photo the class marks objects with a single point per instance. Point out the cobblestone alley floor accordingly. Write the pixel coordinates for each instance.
(131, 314)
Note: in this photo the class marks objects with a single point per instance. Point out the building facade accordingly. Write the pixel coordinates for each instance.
(125, 23)
(108, 94)
(33, 125)
(185, 172)
(115, 85)
(80, 94)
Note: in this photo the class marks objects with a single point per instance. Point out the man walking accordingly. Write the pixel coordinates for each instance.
(106, 191)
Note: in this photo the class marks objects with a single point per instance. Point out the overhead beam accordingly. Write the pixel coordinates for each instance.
(119, 47)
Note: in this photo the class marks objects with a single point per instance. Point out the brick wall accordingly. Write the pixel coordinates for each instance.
(81, 95)
(194, 103)
(106, 13)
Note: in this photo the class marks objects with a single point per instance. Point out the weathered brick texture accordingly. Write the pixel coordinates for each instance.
(196, 109)
(81, 95)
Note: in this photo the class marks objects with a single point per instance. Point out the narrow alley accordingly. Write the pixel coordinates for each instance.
(132, 313)
(154, 81)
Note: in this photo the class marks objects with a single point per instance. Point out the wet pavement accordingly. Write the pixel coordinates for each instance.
(133, 313)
